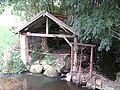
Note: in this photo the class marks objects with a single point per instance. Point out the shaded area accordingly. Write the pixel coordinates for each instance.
(107, 64)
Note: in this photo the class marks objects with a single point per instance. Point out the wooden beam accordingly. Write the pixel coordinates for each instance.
(49, 35)
(89, 45)
(56, 54)
(47, 26)
(67, 41)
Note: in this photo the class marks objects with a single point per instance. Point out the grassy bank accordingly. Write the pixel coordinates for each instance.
(10, 61)
(7, 38)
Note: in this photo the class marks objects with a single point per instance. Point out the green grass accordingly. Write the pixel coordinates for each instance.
(7, 38)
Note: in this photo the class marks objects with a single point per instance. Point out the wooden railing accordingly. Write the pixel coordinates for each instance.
(80, 70)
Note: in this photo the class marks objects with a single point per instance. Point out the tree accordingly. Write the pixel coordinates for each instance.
(95, 19)
(28, 8)
(91, 19)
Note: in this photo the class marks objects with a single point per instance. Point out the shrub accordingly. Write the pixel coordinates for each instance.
(13, 64)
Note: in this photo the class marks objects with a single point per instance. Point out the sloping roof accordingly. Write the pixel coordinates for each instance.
(39, 16)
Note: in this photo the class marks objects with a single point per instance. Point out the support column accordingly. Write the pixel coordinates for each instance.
(91, 62)
(75, 52)
(47, 26)
(80, 68)
(72, 58)
(24, 48)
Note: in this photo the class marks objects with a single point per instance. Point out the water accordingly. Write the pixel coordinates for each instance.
(34, 82)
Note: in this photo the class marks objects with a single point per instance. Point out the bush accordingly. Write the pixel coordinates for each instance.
(16, 64)
(13, 64)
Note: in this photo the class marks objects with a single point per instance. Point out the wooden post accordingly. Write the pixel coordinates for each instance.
(47, 26)
(80, 68)
(72, 58)
(91, 62)
(75, 53)
(24, 48)
(18, 39)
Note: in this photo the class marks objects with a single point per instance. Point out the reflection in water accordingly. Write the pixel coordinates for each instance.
(34, 82)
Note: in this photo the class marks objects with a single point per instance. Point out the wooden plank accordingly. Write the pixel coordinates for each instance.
(67, 41)
(49, 35)
(89, 45)
(47, 27)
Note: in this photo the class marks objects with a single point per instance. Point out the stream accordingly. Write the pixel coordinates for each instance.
(30, 81)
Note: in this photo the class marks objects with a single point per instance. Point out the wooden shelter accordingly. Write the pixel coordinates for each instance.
(49, 26)
(46, 25)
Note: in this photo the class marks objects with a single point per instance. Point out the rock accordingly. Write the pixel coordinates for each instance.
(36, 68)
(46, 66)
(99, 82)
(118, 77)
(51, 72)
(110, 85)
(67, 77)
(75, 78)
(57, 68)
(59, 65)
(37, 62)
(43, 62)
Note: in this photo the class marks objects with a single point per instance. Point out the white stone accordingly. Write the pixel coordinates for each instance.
(68, 77)
(46, 66)
(59, 65)
(36, 68)
(51, 72)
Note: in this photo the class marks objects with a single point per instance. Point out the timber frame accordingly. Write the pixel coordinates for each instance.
(43, 18)
(39, 26)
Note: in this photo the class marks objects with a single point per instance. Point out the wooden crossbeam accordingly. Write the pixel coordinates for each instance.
(49, 35)
(89, 45)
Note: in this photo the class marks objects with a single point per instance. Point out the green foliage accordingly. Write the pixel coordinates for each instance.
(49, 58)
(35, 56)
(13, 61)
(2, 7)
(98, 20)
(29, 8)
(15, 64)
(95, 20)
(39, 57)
